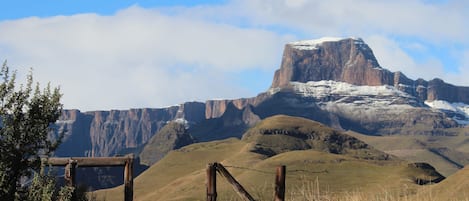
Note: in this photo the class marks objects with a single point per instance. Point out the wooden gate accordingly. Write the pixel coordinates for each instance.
(71, 163)
(211, 183)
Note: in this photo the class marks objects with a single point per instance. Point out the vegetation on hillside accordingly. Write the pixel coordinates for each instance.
(180, 175)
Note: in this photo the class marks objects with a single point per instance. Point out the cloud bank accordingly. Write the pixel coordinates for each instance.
(137, 57)
(155, 57)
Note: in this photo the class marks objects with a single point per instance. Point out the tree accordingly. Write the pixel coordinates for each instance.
(27, 116)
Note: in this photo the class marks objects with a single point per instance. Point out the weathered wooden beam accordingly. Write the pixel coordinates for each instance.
(70, 173)
(280, 184)
(211, 182)
(128, 180)
(235, 184)
(88, 161)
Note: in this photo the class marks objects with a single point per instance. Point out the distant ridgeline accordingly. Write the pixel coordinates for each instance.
(335, 81)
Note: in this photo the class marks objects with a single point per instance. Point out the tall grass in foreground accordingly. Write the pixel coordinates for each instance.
(310, 191)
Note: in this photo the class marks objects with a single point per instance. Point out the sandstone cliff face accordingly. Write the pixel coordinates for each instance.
(77, 140)
(352, 61)
(439, 90)
(216, 108)
(107, 133)
(348, 60)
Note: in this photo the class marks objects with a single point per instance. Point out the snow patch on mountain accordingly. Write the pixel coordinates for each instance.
(329, 87)
(460, 110)
(329, 93)
(314, 44)
(355, 101)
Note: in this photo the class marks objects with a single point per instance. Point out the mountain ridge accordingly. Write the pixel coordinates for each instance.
(337, 82)
(348, 60)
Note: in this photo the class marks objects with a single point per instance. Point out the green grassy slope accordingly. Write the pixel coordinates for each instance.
(181, 174)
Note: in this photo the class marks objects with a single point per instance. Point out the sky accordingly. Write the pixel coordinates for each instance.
(122, 54)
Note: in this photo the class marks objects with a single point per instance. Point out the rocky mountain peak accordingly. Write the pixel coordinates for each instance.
(348, 60)
(351, 60)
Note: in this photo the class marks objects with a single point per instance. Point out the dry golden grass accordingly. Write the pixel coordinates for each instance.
(311, 175)
(181, 175)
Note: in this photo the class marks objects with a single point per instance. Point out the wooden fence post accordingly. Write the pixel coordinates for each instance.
(236, 186)
(211, 182)
(280, 184)
(70, 176)
(70, 173)
(128, 180)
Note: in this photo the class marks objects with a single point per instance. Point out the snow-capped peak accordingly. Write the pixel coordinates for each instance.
(313, 44)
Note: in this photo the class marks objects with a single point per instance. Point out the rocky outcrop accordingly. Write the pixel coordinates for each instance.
(77, 138)
(233, 123)
(439, 90)
(352, 61)
(347, 60)
(216, 108)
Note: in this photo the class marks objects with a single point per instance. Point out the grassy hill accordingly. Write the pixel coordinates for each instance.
(315, 166)
(172, 136)
(447, 153)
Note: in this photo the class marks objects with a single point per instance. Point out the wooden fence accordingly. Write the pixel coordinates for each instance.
(213, 168)
(71, 163)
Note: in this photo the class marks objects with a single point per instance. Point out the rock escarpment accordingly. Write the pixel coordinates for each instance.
(109, 133)
(347, 60)
(336, 81)
(352, 61)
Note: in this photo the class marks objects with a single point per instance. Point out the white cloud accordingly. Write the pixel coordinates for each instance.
(391, 55)
(461, 77)
(155, 57)
(441, 25)
(435, 22)
(137, 57)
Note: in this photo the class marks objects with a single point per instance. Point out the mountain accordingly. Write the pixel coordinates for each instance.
(352, 61)
(335, 81)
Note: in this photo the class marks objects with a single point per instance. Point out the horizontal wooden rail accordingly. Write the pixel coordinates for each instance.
(71, 163)
(88, 161)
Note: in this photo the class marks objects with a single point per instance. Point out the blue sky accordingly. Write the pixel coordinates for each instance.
(124, 54)
(47, 8)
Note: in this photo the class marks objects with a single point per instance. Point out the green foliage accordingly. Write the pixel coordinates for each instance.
(66, 193)
(44, 188)
(26, 113)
